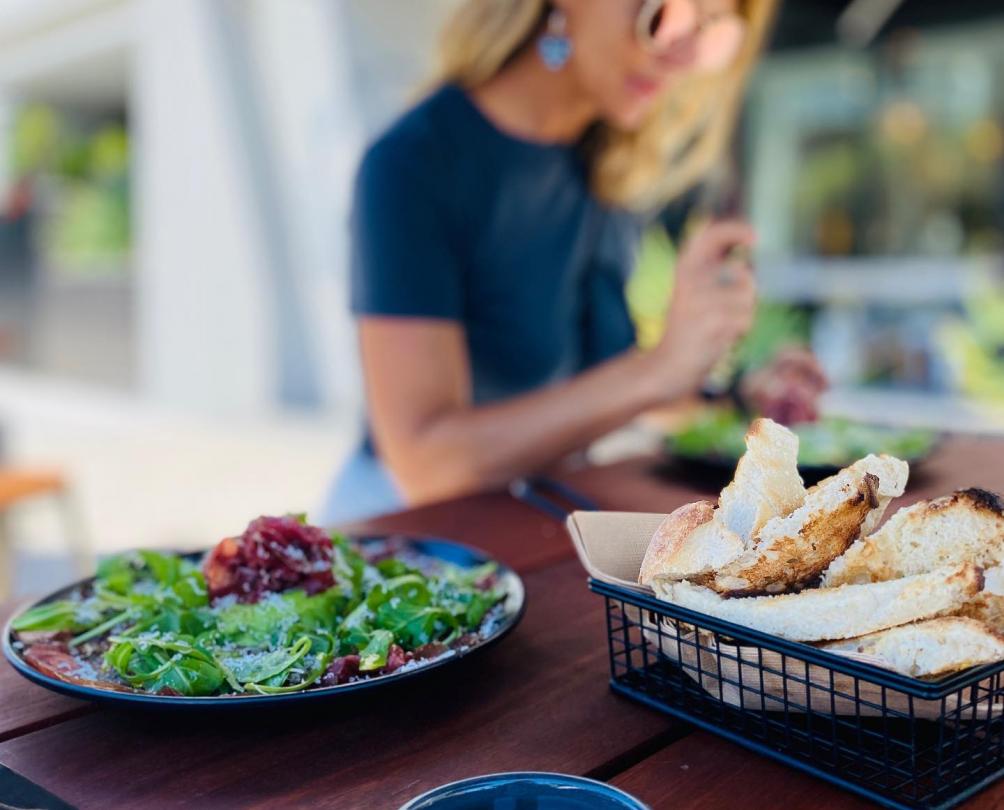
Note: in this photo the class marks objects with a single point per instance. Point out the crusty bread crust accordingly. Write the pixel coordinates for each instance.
(791, 559)
(893, 475)
(824, 614)
(979, 499)
(671, 536)
(689, 544)
(966, 526)
(929, 648)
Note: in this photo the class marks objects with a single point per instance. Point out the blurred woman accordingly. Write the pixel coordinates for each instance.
(496, 224)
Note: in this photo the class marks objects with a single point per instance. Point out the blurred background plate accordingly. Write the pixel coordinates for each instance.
(712, 444)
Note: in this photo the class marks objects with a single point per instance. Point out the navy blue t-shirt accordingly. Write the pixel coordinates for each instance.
(456, 220)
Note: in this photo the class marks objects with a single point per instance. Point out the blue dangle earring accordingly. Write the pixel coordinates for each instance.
(554, 46)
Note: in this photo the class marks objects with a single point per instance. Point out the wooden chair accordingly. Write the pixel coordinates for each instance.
(20, 485)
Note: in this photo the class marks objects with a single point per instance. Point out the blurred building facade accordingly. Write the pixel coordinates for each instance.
(179, 175)
(243, 121)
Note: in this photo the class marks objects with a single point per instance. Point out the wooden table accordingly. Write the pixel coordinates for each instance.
(538, 701)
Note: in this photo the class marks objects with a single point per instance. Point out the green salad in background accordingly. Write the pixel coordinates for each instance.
(283, 608)
(719, 435)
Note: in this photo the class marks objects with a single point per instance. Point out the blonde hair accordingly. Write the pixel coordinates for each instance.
(677, 145)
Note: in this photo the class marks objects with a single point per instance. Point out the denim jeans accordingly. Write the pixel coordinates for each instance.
(362, 489)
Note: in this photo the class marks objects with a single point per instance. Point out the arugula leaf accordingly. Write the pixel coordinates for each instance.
(263, 624)
(320, 611)
(393, 567)
(354, 631)
(189, 676)
(250, 666)
(479, 605)
(305, 672)
(414, 625)
(277, 618)
(159, 662)
(374, 655)
(117, 573)
(164, 569)
(349, 567)
(51, 617)
(190, 590)
(409, 588)
(466, 578)
(171, 619)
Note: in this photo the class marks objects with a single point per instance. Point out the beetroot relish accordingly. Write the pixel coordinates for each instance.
(396, 658)
(274, 554)
(341, 670)
(344, 668)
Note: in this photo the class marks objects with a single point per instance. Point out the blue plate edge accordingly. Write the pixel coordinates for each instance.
(582, 783)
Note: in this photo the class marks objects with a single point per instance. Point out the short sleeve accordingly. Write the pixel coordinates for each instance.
(404, 256)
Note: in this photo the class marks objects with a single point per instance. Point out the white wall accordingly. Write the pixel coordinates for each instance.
(314, 131)
(204, 340)
(392, 52)
(247, 145)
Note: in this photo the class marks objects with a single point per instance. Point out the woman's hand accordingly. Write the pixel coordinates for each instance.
(713, 304)
(787, 389)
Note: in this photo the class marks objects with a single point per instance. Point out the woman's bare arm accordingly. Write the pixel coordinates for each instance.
(438, 444)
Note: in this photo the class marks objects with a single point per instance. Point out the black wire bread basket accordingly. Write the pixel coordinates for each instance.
(900, 741)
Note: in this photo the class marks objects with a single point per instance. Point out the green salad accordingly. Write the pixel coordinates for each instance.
(283, 608)
(720, 434)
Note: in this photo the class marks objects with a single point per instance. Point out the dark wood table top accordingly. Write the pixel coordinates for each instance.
(510, 531)
(537, 701)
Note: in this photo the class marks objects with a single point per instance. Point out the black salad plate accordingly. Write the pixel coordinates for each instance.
(504, 620)
(718, 469)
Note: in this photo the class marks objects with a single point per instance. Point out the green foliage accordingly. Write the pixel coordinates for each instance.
(35, 140)
(89, 171)
(974, 345)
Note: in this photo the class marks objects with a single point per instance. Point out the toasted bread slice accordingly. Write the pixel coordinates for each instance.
(929, 648)
(689, 544)
(790, 552)
(967, 526)
(892, 474)
(766, 483)
(825, 614)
